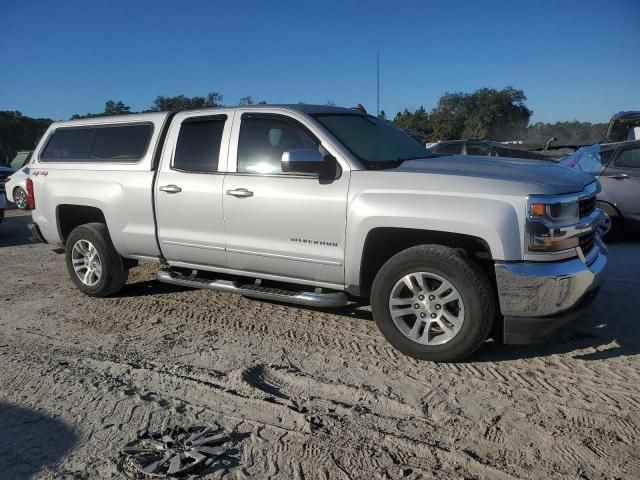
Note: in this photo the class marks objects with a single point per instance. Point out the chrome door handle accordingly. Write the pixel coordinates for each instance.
(620, 176)
(170, 189)
(240, 192)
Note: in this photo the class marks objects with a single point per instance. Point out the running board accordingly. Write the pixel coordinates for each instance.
(310, 299)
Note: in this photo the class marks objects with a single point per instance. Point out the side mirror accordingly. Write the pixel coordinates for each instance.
(309, 161)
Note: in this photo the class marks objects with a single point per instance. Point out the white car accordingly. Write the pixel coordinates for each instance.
(16, 187)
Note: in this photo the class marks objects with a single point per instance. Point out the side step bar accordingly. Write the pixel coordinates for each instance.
(310, 299)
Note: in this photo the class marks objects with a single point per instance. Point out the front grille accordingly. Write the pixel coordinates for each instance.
(587, 206)
(586, 242)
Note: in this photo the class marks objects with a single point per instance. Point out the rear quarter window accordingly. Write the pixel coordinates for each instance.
(109, 143)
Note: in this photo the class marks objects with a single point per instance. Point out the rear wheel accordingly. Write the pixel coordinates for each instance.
(432, 303)
(94, 265)
(20, 198)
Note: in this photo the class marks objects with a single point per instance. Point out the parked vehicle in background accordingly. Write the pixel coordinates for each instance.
(5, 172)
(21, 159)
(16, 188)
(16, 183)
(620, 181)
(482, 148)
(318, 205)
(3, 206)
(624, 126)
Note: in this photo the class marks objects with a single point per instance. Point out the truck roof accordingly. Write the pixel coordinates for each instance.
(150, 116)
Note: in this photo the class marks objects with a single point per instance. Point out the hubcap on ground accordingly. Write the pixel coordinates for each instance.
(86, 262)
(426, 308)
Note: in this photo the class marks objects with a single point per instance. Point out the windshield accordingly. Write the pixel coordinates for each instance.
(375, 142)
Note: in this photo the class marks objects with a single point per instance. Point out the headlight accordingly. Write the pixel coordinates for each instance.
(561, 213)
(549, 223)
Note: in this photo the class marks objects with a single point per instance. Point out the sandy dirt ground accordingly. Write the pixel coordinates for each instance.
(303, 394)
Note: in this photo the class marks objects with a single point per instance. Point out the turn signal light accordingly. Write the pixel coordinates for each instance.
(538, 209)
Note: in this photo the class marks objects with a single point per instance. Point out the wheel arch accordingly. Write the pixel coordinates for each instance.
(70, 216)
(382, 243)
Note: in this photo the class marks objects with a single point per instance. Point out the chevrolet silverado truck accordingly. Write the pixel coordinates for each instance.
(323, 206)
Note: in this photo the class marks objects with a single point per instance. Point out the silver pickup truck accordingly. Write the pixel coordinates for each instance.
(323, 206)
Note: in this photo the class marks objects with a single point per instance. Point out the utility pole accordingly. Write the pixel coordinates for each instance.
(377, 84)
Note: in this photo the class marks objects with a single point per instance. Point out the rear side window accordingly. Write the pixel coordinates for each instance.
(198, 147)
(128, 142)
(449, 149)
(113, 143)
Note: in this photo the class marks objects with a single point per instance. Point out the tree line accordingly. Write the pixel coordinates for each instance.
(484, 114)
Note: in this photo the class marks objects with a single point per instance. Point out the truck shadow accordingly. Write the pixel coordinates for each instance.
(13, 230)
(31, 441)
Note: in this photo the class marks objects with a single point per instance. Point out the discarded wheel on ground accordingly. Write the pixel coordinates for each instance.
(433, 303)
(174, 452)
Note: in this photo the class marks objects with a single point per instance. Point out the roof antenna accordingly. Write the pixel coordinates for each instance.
(377, 84)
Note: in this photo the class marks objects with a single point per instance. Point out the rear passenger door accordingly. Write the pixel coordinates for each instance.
(188, 190)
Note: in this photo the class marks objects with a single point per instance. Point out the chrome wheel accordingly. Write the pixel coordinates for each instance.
(426, 308)
(86, 262)
(20, 198)
(605, 224)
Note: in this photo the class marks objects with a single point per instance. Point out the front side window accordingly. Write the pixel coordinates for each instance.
(478, 149)
(198, 147)
(263, 140)
(629, 158)
(375, 142)
(116, 143)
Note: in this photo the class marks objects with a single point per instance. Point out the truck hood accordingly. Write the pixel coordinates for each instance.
(555, 178)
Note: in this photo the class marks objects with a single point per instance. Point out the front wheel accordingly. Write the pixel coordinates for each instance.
(20, 198)
(432, 303)
(95, 266)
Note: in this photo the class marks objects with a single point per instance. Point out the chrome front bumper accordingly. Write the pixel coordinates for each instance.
(537, 297)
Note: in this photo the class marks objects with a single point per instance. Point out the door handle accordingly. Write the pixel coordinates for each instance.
(240, 192)
(620, 176)
(170, 189)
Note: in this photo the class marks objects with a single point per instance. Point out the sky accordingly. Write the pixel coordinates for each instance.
(574, 59)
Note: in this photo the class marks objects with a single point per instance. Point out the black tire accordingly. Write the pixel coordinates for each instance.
(473, 285)
(114, 271)
(20, 198)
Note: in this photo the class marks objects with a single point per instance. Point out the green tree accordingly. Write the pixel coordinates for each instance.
(486, 113)
(244, 101)
(110, 108)
(163, 103)
(417, 123)
(19, 132)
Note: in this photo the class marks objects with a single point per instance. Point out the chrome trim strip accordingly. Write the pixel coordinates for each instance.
(311, 299)
(286, 257)
(193, 245)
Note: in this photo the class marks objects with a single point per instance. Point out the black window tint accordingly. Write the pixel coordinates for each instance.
(68, 144)
(478, 149)
(629, 158)
(264, 140)
(126, 142)
(449, 149)
(198, 147)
